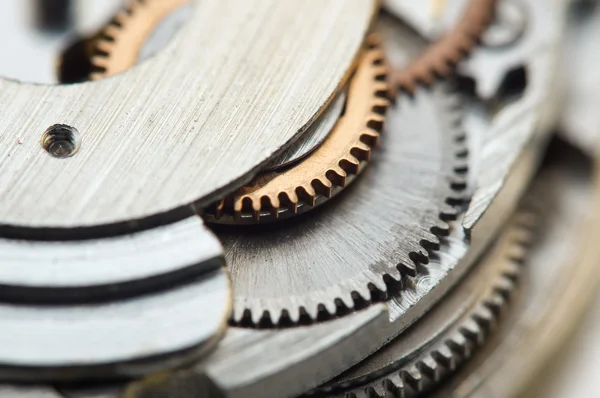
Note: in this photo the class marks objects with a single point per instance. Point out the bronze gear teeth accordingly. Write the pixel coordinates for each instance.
(120, 43)
(440, 58)
(332, 166)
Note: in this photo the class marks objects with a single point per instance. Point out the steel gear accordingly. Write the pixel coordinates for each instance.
(432, 349)
(331, 167)
(425, 151)
(440, 58)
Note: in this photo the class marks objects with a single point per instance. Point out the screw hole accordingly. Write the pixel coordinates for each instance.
(61, 141)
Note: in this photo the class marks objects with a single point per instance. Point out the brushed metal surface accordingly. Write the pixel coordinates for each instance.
(313, 137)
(128, 338)
(37, 271)
(238, 82)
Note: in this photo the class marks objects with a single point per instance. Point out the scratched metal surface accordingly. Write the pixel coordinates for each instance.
(238, 82)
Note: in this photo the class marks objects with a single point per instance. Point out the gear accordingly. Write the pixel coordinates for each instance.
(440, 58)
(434, 347)
(331, 167)
(120, 44)
(313, 268)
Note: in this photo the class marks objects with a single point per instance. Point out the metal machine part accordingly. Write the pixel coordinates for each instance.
(428, 352)
(434, 251)
(78, 340)
(331, 167)
(146, 27)
(337, 274)
(314, 136)
(558, 282)
(523, 121)
(134, 174)
(490, 64)
(439, 58)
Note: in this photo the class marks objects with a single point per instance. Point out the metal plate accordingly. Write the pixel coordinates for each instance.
(235, 85)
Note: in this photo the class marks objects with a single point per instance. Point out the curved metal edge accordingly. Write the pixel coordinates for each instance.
(107, 269)
(89, 218)
(129, 338)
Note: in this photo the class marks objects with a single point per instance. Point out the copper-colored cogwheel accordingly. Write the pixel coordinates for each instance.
(120, 43)
(332, 166)
(440, 58)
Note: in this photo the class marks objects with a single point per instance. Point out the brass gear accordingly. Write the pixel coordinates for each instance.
(121, 41)
(332, 166)
(441, 57)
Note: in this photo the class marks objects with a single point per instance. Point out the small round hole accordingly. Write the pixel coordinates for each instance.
(61, 141)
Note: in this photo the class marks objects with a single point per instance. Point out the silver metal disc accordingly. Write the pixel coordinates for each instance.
(381, 227)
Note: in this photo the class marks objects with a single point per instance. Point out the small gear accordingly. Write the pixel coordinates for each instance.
(440, 58)
(120, 44)
(433, 348)
(331, 167)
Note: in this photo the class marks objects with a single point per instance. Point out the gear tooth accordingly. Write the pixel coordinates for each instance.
(504, 286)
(100, 61)
(413, 377)
(294, 315)
(256, 317)
(238, 204)
(371, 392)
(104, 46)
(512, 270)
(323, 186)
(111, 31)
(496, 302)
(312, 311)
(445, 357)
(363, 147)
(379, 284)
(238, 314)
(346, 298)
(458, 343)
(330, 307)
(293, 198)
(337, 176)
(121, 17)
(430, 368)
(517, 252)
(484, 316)
(274, 201)
(395, 385)
(472, 330)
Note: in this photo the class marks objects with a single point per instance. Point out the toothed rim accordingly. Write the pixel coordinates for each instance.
(121, 41)
(441, 57)
(460, 342)
(381, 284)
(331, 167)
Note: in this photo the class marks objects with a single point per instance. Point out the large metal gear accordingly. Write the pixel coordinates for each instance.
(395, 283)
(337, 275)
(431, 350)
